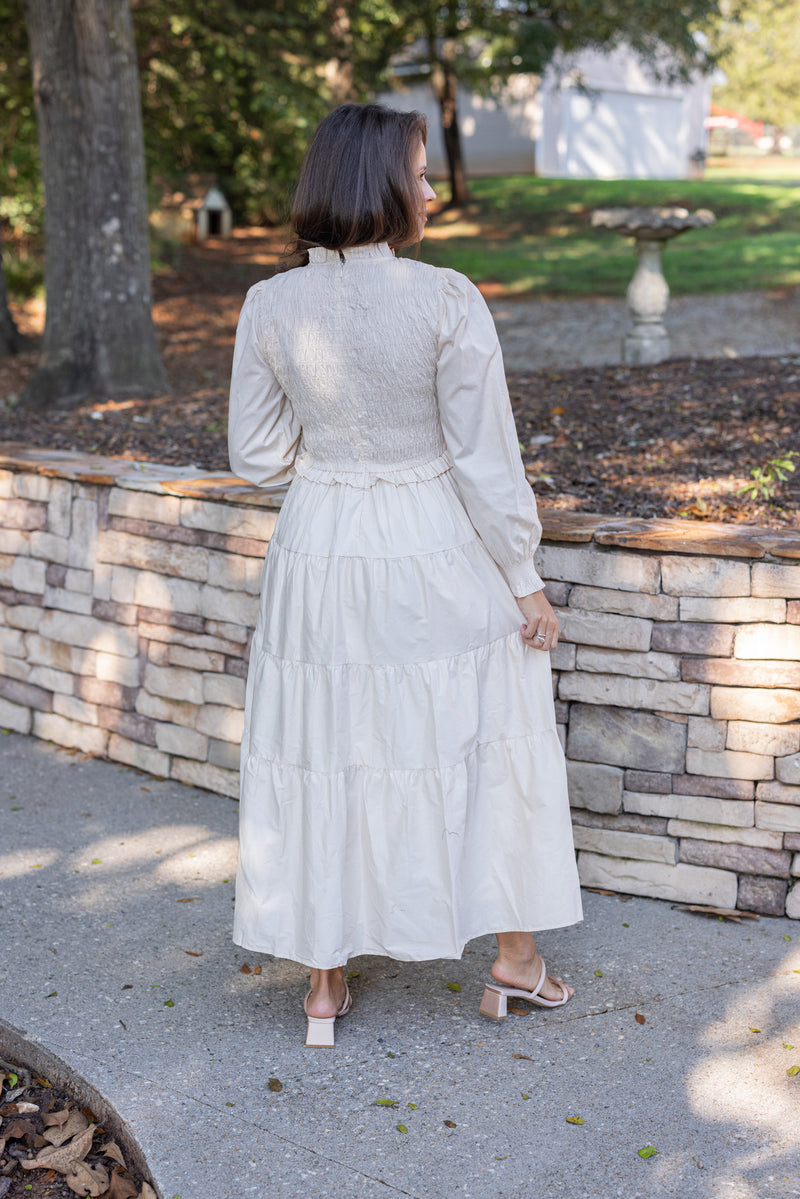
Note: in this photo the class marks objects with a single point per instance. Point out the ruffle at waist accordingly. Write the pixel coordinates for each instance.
(367, 474)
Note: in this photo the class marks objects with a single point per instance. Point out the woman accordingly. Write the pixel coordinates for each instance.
(403, 785)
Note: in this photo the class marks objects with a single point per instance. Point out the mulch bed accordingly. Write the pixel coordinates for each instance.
(678, 439)
(54, 1147)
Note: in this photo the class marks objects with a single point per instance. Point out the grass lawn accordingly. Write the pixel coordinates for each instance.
(531, 236)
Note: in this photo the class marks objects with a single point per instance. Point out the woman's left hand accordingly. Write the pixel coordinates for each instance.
(540, 630)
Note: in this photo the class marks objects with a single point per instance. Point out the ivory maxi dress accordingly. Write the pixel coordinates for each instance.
(403, 784)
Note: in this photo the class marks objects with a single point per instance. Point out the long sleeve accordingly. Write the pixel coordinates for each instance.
(263, 431)
(481, 437)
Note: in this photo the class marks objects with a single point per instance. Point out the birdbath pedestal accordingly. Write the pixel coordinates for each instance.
(648, 293)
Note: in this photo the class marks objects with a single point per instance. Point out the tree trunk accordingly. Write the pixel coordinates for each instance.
(338, 71)
(445, 85)
(98, 338)
(11, 340)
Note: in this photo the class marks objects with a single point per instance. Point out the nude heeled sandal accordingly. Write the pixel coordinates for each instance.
(496, 996)
(319, 1034)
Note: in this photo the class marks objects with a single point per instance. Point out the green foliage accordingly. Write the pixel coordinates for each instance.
(768, 479)
(760, 47)
(20, 183)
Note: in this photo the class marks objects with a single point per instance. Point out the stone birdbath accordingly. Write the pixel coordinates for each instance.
(648, 292)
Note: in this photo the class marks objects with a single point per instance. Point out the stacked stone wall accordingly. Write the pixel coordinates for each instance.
(128, 594)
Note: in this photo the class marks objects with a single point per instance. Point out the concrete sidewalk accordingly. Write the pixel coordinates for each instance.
(111, 882)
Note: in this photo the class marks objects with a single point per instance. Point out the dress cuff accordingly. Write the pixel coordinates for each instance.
(523, 578)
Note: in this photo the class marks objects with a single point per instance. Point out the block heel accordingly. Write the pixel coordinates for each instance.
(494, 1003)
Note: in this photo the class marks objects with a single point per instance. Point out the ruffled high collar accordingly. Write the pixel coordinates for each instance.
(375, 250)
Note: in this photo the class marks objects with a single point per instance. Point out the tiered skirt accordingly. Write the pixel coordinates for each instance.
(403, 785)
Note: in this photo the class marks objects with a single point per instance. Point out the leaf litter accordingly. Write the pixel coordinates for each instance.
(51, 1148)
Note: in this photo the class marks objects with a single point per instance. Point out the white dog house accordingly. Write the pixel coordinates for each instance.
(593, 115)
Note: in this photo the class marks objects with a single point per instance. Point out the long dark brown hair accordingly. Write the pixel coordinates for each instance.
(357, 182)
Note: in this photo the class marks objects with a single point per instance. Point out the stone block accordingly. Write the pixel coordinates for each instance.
(225, 724)
(23, 514)
(142, 757)
(12, 642)
(561, 711)
(237, 667)
(143, 505)
(32, 487)
(733, 610)
(28, 574)
(651, 781)
(639, 846)
(182, 741)
(24, 616)
(769, 579)
(76, 580)
(230, 632)
(224, 753)
(216, 604)
(49, 547)
(780, 818)
(223, 689)
(625, 692)
(116, 613)
(151, 590)
(625, 822)
(744, 859)
(794, 869)
(89, 633)
(173, 711)
(13, 541)
(701, 809)
(755, 738)
(109, 695)
(720, 788)
(788, 770)
(114, 669)
(704, 576)
(55, 574)
(778, 792)
(621, 737)
(793, 903)
(647, 665)
(563, 656)
(207, 776)
(791, 840)
(625, 603)
(705, 733)
(161, 557)
(59, 508)
(83, 538)
(101, 583)
(174, 682)
(14, 668)
(234, 572)
(14, 717)
(195, 659)
(680, 883)
(730, 764)
(236, 520)
(778, 706)
(175, 620)
(67, 601)
(7, 484)
(766, 896)
(595, 787)
(158, 652)
(72, 734)
(793, 612)
(713, 639)
(53, 680)
(733, 672)
(556, 593)
(73, 709)
(156, 531)
(128, 724)
(601, 628)
(42, 651)
(600, 568)
(26, 694)
(768, 641)
(758, 838)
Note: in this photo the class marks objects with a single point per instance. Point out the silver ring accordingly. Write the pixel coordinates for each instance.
(540, 636)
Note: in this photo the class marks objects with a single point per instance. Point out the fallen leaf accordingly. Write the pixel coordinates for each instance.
(193, 953)
(55, 1118)
(598, 973)
(44, 1083)
(787, 1046)
(386, 1102)
(413, 1106)
(192, 899)
(517, 1011)
(111, 1149)
(245, 969)
(755, 1030)
(52, 995)
(256, 970)
(793, 1070)
(169, 1003)
(705, 910)
(522, 1057)
(647, 1151)
(275, 1084)
(75, 1123)
(147, 1192)
(453, 987)
(64, 1156)
(639, 1018)
(574, 1120)
(504, 1158)
(24, 1108)
(128, 987)
(524, 1096)
(353, 974)
(449, 1123)
(401, 1128)
(97, 861)
(121, 1188)
(87, 1180)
